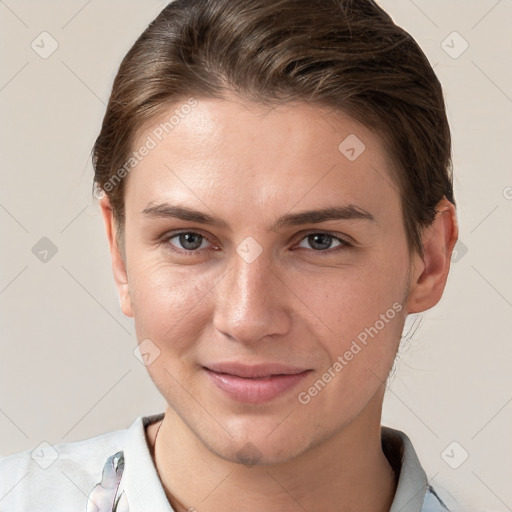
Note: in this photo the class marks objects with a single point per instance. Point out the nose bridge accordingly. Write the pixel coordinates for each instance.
(249, 304)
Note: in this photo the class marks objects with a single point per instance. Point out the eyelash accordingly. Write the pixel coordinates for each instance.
(344, 244)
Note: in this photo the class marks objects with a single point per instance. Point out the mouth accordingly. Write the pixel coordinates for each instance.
(254, 384)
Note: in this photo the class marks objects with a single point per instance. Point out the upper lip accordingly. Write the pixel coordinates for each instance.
(254, 370)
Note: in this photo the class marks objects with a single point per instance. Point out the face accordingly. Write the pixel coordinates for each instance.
(265, 323)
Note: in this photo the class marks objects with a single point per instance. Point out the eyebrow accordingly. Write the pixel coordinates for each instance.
(343, 212)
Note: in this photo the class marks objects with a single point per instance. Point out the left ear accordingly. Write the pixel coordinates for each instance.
(430, 273)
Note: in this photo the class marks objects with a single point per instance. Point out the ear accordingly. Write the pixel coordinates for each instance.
(429, 274)
(118, 261)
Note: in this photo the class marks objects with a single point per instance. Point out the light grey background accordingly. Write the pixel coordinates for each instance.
(67, 367)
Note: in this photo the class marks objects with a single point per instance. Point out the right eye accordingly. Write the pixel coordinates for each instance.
(190, 242)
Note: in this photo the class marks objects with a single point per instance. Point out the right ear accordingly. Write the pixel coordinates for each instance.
(118, 262)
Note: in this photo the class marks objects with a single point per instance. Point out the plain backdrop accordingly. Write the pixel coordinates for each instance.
(67, 365)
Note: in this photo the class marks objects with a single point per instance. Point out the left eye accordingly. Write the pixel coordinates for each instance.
(323, 241)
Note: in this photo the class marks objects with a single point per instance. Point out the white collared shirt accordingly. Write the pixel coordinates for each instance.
(116, 468)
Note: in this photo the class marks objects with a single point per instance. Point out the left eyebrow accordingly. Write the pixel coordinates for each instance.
(344, 212)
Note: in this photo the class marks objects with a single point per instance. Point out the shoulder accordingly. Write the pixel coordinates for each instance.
(62, 474)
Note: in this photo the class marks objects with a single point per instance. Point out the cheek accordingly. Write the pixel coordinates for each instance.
(364, 322)
(168, 303)
(348, 300)
(362, 318)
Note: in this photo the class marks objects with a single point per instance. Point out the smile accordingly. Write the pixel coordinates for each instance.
(254, 384)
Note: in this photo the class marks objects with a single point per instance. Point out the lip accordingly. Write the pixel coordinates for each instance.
(255, 384)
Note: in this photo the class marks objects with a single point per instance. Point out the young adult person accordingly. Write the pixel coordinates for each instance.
(275, 183)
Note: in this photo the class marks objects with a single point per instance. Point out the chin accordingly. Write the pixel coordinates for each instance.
(261, 443)
(255, 452)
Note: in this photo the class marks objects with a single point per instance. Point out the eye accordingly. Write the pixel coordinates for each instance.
(189, 242)
(321, 241)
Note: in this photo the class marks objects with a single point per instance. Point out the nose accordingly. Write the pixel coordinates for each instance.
(252, 301)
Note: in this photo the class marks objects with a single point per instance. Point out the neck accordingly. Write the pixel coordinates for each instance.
(348, 472)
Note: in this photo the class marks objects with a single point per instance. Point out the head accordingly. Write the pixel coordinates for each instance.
(252, 114)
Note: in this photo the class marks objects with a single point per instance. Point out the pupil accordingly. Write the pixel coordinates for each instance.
(187, 239)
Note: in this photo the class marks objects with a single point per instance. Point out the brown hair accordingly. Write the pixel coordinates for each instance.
(345, 54)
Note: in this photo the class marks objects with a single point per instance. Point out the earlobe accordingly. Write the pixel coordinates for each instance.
(430, 273)
(118, 261)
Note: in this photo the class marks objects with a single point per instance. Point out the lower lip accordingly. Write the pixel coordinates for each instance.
(255, 391)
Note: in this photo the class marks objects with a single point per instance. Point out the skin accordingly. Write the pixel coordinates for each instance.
(294, 304)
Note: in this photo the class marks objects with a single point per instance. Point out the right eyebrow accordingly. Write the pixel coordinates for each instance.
(184, 213)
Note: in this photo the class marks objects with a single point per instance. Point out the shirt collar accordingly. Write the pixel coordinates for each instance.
(412, 480)
(140, 482)
(144, 491)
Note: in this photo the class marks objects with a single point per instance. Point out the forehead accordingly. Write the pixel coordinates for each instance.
(240, 154)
